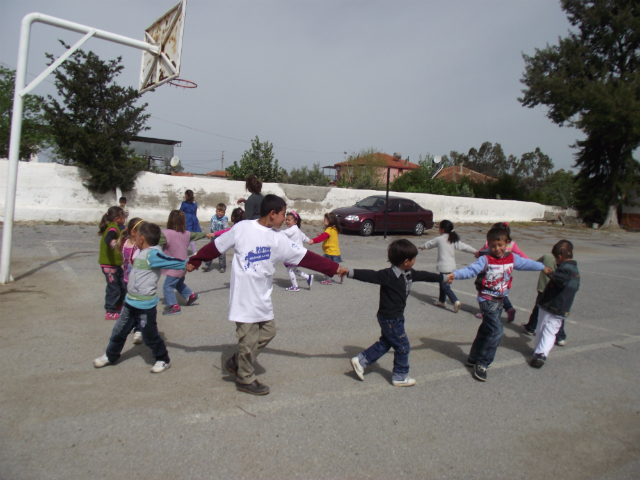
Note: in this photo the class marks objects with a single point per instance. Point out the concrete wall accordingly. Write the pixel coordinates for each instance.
(51, 192)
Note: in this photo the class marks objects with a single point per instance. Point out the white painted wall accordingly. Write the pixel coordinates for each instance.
(52, 192)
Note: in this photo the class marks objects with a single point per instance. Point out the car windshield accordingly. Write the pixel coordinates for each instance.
(371, 203)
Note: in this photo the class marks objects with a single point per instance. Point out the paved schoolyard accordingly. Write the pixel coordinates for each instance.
(576, 418)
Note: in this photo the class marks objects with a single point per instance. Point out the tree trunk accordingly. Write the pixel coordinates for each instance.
(612, 217)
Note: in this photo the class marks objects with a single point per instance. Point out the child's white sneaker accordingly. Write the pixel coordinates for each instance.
(160, 367)
(407, 382)
(102, 361)
(456, 306)
(438, 303)
(355, 363)
(137, 338)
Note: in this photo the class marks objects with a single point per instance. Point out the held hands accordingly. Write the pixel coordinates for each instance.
(310, 242)
(210, 235)
(342, 272)
(242, 200)
(450, 278)
(191, 268)
(477, 254)
(547, 271)
(420, 248)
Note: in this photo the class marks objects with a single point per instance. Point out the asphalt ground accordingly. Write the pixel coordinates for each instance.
(576, 418)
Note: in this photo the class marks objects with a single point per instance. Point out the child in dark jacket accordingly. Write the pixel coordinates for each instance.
(395, 285)
(557, 299)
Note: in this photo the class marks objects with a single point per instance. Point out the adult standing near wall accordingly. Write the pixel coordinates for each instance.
(190, 209)
(252, 204)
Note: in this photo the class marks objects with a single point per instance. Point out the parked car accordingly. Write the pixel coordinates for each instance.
(367, 216)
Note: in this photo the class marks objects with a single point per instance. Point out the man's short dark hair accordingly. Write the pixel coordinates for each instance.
(272, 203)
(497, 233)
(151, 233)
(564, 249)
(401, 250)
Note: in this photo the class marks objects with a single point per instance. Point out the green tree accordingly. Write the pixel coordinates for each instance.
(35, 130)
(591, 81)
(489, 160)
(96, 122)
(532, 169)
(259, 161)
(560, 188)
(306, 176)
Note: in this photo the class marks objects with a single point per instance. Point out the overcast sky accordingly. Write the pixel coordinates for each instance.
(319, 78)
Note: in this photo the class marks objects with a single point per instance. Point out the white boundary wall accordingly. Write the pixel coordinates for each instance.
(52, 192)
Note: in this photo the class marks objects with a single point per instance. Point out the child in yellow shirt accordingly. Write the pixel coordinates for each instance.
(329, 239)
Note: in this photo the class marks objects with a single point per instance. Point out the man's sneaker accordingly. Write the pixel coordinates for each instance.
(292, 289)
(160, 367)
(325, 282)
(310, 280)
(172, 310)
(111, 316)
(479, 315)
(232, 366)
(102, 361)
(538, 360)
(192, 298)
(561, 343)
(254, 388)
(137, 338)
(357, 368)
(528, 331)
(456, 306)
(471, 362)
(511, 315)
(480, 372)
(407, 382)
(438, 303)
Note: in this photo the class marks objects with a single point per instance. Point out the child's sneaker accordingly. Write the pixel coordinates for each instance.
(438, 303)
(471, 362)
(511, 315)
(222, 270)
(137, 338)
(102, 361)
(561, 343)
(310, 281)
(325, 282)
(192, 298)
(292, 289)
(407, 382)
(357, 368)
(479, 315)
(538, 360)
(160, 367)
(172, 310)
(480, 372)
(111, 316)
(456, 306)
(528, 331)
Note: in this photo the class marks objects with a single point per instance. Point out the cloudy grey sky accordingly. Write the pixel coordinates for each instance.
(318, 78)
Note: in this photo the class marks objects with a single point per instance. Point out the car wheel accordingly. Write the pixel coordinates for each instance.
(366, 228)
(418, 229)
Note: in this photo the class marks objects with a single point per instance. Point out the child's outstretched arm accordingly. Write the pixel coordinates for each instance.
(429, 245)
(424, 276)
(378, 277)
(313, 261)
(463, 247)
(470, 271)
(527, 264)
(158, 259)
(205, 254)
(198, 235)
(320, 238)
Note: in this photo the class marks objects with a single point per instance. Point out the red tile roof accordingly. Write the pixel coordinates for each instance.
(217, 173)
(390, 160)
(457, 172)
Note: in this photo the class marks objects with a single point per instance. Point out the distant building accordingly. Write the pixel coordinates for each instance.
(217, 173)
(394, 163)
(458, 172)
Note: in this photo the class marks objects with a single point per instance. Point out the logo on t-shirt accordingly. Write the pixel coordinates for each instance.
(261, 253)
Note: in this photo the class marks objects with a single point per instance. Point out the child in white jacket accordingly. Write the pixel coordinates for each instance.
(447, 243)
(296, 235)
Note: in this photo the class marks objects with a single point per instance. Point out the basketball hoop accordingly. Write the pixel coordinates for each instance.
(179, 82)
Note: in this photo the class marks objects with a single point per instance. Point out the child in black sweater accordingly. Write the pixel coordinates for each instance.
(395, 285)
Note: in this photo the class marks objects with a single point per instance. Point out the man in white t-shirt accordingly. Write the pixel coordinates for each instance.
(258, 246)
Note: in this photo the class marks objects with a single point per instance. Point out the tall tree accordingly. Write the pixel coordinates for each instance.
(591, 81)
(259, 161)
(96, 121)
(35, 130)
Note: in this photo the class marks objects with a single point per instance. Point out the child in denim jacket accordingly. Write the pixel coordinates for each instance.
(219, 222)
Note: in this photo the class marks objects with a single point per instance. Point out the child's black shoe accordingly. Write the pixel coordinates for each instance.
(538, 360)
(480, 373)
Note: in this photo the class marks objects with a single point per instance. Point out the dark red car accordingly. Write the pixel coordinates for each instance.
(367, 216)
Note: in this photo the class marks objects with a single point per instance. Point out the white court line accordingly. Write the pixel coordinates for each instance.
(384, 387)
(65, 266)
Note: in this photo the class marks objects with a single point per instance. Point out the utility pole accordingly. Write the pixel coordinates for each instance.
(223, 160)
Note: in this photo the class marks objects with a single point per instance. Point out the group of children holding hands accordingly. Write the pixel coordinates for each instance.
(259, 245)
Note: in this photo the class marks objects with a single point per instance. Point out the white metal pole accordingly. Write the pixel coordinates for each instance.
(16, 118)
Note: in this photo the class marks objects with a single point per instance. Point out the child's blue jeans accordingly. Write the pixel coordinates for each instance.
(489, 334)
(445, 291)
(146, 319)
(178, 284)
(393, 335)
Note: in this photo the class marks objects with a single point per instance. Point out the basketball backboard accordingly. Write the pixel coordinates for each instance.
(166, 33)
